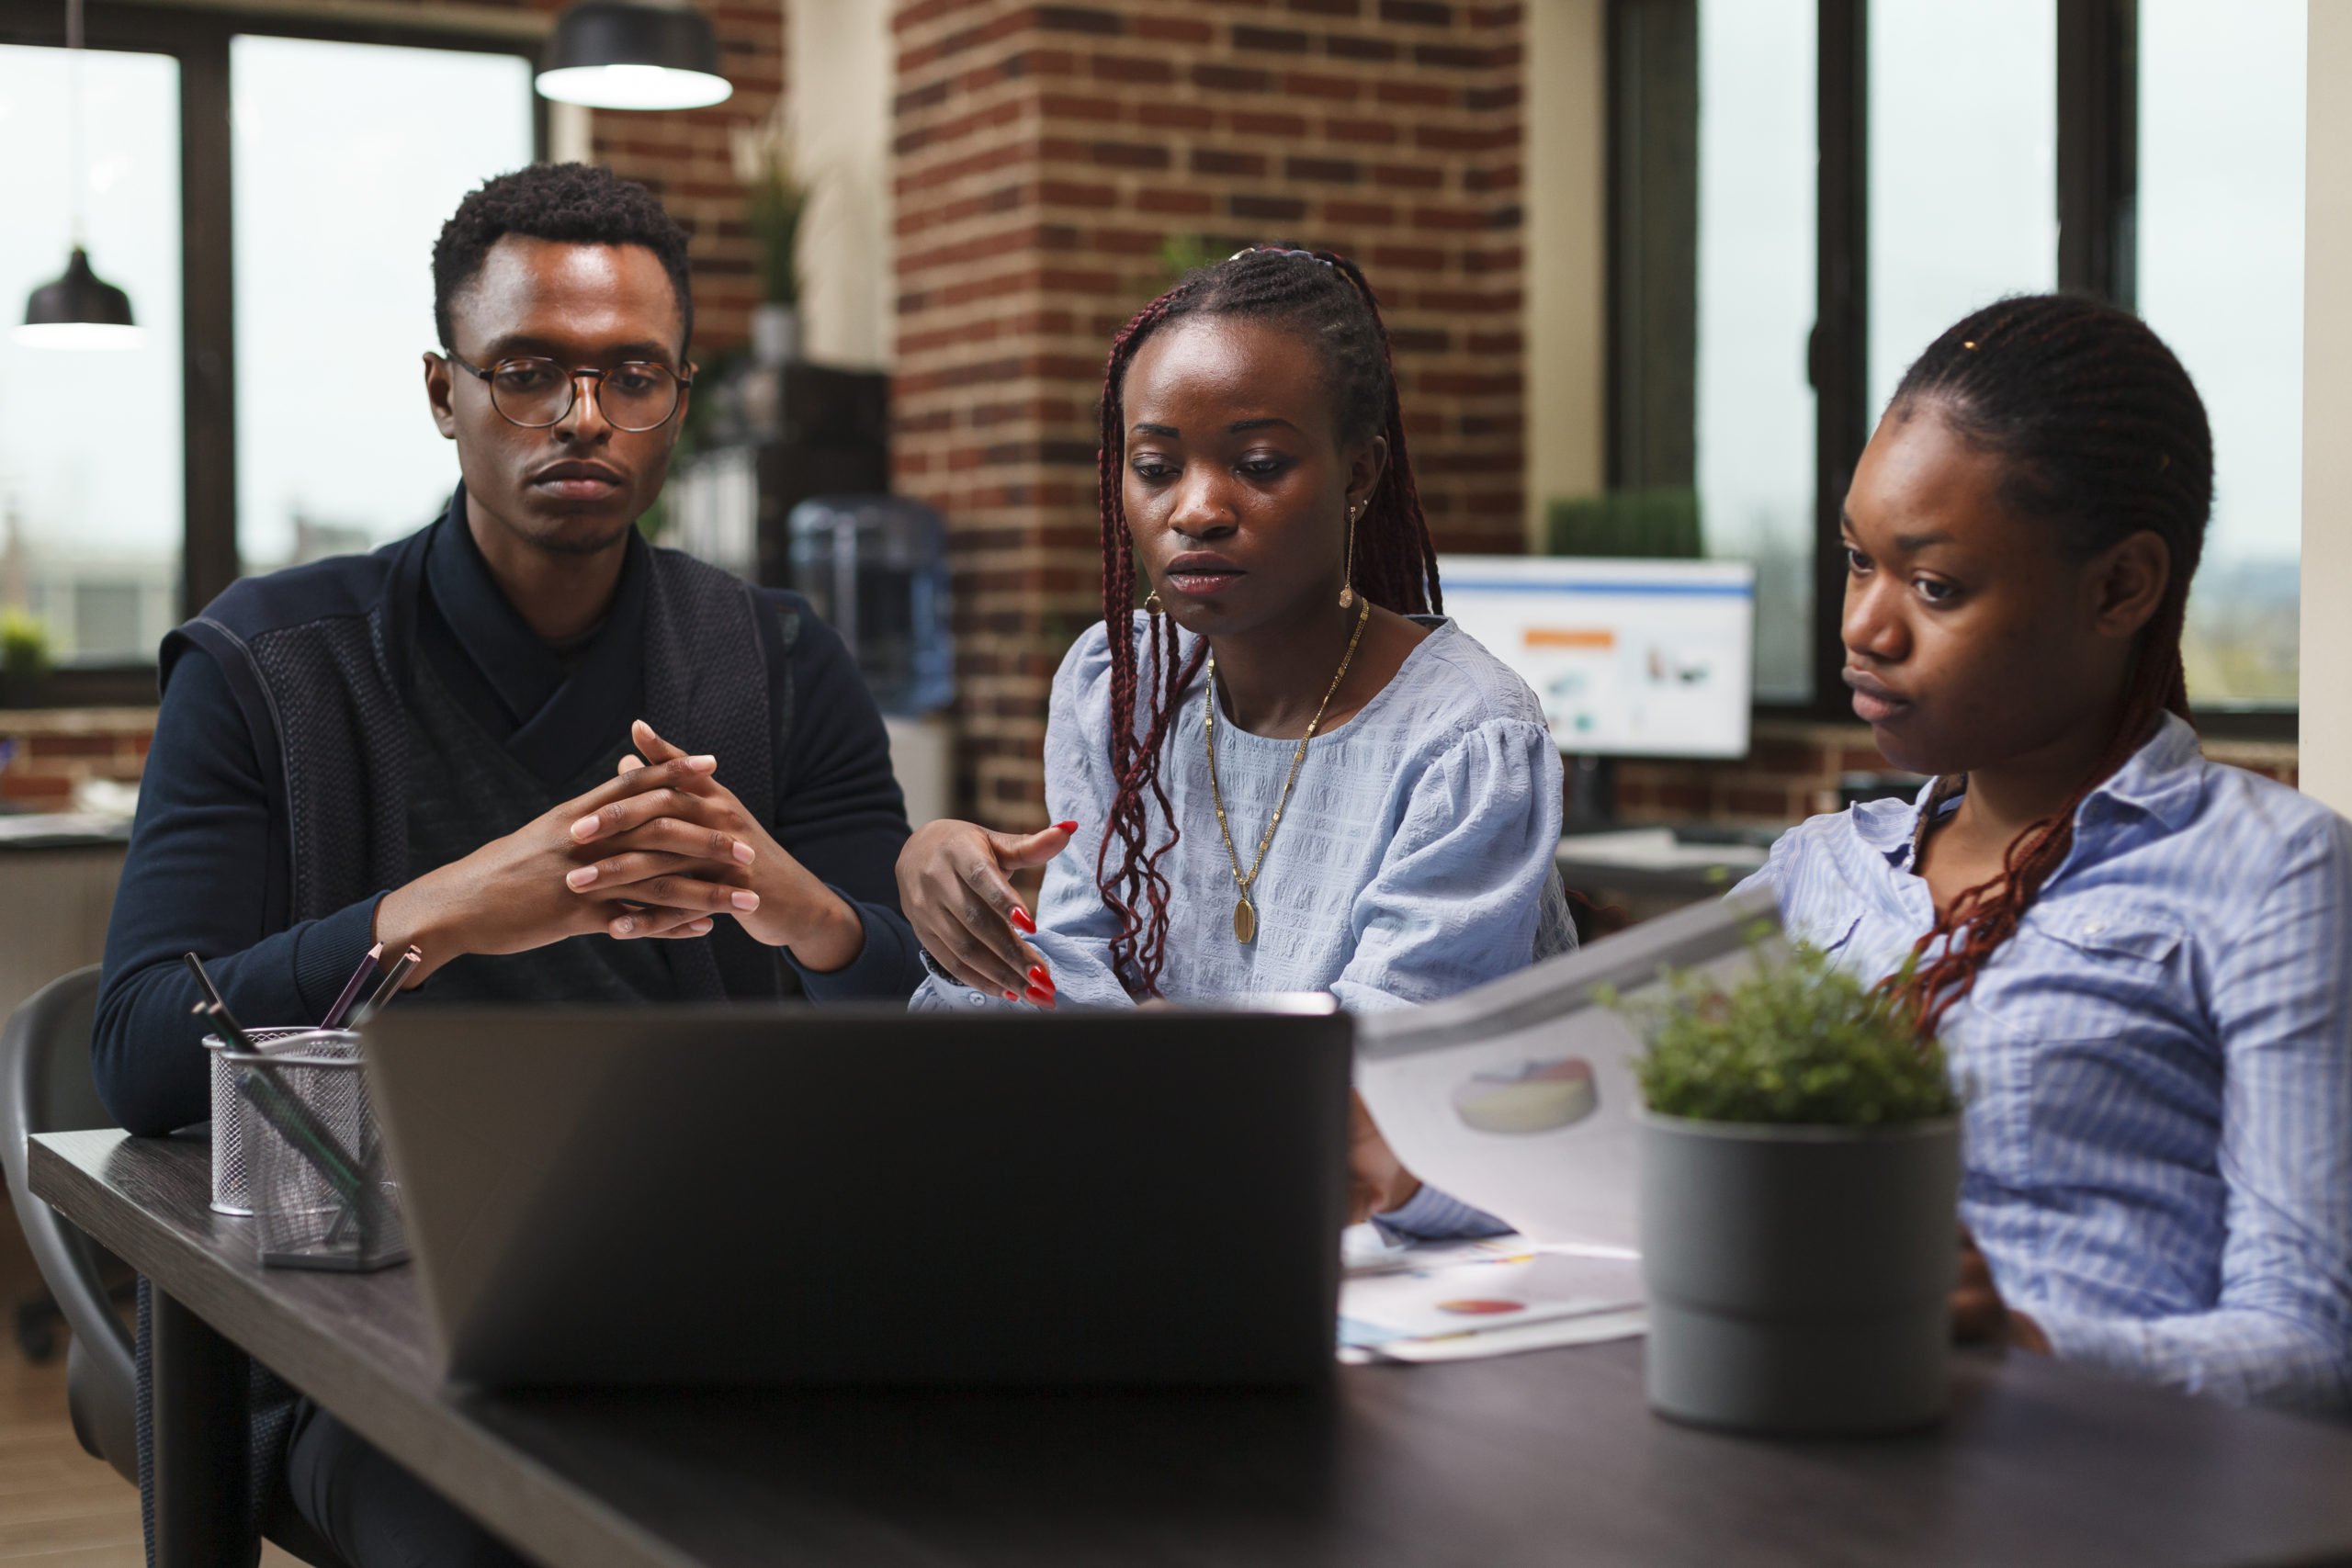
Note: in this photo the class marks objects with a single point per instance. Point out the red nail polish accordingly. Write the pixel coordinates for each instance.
(1065, 827)
(1042, 999)
(1041, 980)
(1011, 997)
(1022, 922)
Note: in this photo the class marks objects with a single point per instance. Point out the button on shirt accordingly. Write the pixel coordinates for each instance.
(2157, 1069)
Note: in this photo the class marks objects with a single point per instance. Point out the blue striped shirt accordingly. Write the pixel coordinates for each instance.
(2157, 1070)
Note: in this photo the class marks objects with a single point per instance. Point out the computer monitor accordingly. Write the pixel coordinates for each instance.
(1629, 658)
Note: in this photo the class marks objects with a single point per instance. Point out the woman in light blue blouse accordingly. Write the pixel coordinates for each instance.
(1287, 772)
(2140, 961)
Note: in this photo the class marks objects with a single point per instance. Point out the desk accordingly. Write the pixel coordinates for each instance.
(1542, 1459)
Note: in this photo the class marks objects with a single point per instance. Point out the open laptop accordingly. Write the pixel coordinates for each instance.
(735, 1195)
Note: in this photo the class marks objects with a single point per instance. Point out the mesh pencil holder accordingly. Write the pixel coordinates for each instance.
(323, 1196)
(231, 1166)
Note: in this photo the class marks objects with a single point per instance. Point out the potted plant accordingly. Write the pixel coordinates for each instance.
(24, 655)
(1800, 1172)
(774, 200)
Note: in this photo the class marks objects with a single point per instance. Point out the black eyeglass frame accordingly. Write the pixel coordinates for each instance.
(572, 375)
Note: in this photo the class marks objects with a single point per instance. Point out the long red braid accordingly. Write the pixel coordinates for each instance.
(2103, 437)
(1325, 297)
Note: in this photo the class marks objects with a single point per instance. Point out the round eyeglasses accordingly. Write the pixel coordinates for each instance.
(635, 395)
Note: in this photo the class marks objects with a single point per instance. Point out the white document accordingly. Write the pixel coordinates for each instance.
(1519, 1097)
(1448, 1297)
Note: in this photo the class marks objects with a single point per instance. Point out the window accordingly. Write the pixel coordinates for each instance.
(1963, 150)
(1757, 154)
(2221, 279)
(1868, 171)
(91, 462)
(336, 450)
(239, 429)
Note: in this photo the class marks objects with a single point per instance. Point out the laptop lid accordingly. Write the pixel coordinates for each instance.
(686, 1195)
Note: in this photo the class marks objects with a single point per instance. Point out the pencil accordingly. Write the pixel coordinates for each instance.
(226, 1022)
(351, 989)
(204, 983)
(389, 988)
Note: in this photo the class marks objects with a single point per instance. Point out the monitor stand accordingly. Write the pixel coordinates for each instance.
(1592, 792)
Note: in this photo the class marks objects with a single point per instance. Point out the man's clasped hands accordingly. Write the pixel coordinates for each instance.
(661, 851)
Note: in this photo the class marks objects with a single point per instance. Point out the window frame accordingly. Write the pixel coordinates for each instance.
(2096, 197)
(199, 39)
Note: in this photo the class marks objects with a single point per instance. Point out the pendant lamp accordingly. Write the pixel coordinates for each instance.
(633, 54)
(80, 309)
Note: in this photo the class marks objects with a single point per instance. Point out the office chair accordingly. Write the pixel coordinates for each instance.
(45, 1087)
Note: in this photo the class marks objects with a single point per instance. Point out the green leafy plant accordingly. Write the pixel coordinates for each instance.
(1181, 254)
(775, 199)
(1796, 1041)
(773, 204)
(1659, 522)
(24, 643)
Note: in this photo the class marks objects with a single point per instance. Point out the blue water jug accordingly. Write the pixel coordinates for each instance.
(876, 568)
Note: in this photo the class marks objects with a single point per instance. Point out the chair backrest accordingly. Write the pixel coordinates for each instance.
(45, 1087)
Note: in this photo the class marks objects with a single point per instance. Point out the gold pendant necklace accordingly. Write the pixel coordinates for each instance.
(1245, 912)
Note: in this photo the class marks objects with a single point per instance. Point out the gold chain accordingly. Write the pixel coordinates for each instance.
(1244, 913)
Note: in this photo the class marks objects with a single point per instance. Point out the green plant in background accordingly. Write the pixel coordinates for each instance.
(24, 643)
(773, 204)
(1797, 1041)
(775, 199)
(1661, 525)
(1181, 254)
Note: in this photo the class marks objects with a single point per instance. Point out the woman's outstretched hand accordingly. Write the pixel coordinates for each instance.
(954, 889)
(1378, 1182)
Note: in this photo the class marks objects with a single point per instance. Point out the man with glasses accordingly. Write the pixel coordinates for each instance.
(418, 748)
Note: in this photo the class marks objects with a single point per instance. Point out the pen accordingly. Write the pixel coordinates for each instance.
(389, 988)
(212, 992)
(226, 1022)
(351, 989)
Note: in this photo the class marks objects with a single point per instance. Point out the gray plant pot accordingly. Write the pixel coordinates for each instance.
(775, 335)
(1799, 1277)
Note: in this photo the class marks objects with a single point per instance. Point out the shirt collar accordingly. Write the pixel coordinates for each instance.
(524, 671)
(2165, 777)
(2162, 778)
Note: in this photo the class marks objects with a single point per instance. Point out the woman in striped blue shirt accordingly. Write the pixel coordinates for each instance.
(2140, 961)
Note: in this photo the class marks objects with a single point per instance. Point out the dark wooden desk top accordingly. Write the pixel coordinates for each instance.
(1548, 1457)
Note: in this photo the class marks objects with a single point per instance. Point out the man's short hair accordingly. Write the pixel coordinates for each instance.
(574, 203)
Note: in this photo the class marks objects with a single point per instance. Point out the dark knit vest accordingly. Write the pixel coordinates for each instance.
(328, 699)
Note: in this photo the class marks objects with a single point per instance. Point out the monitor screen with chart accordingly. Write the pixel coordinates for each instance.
(1629, 658)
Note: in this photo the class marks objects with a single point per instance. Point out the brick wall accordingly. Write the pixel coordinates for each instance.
(687, 160)
(1792, 770)
(1046, 154)
(53, 750)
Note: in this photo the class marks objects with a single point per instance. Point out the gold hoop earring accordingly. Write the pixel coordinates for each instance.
(1151, 602)
(1348, 573)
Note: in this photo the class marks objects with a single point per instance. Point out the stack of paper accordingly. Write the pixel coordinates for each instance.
(1451, 1300)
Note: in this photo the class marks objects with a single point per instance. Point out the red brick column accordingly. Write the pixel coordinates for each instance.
(686, 158)
(1046, 154)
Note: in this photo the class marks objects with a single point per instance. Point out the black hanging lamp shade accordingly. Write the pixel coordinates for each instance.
(80, 309)
(632, 54)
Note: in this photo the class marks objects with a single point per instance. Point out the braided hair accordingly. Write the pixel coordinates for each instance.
(1323, 298)
(2102, 436)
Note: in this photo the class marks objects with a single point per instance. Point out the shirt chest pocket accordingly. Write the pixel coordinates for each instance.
(2082, 1020)
(2087, 970)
